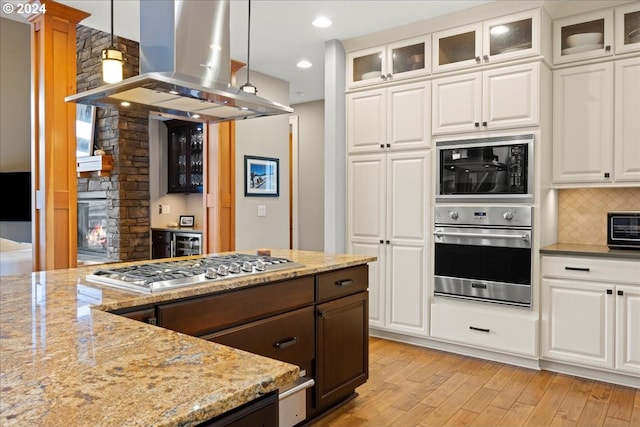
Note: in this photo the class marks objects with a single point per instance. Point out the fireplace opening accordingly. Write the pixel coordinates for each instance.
(92, 223)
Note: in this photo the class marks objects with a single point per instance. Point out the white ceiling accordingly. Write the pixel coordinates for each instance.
(281, 30)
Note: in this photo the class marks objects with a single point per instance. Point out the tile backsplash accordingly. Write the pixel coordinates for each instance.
(582, 213)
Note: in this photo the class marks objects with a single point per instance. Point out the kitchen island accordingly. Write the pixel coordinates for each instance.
(65, 360)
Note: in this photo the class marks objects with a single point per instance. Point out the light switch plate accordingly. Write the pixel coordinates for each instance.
(262, 210)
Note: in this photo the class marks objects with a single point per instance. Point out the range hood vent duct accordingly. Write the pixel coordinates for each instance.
(184, 73)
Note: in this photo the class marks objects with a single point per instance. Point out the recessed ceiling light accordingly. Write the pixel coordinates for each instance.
(304, 64)
(195, 116)
(125, 103)
(322, 22)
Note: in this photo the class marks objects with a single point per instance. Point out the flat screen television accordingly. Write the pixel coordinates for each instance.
(17, 188)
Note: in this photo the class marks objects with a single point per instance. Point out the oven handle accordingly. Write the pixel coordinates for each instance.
(524, 237)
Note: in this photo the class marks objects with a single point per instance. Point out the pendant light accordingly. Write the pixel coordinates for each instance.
(112, 60)
(248, 87)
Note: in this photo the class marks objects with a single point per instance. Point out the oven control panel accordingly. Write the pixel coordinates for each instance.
(510, 216)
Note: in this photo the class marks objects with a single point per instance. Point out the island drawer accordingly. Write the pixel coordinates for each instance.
(211, 313)
(339, 283)
(289, 337)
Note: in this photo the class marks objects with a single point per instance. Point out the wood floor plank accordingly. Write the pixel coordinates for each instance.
(414, 386)
(489, 417)
(545, 410)
(536, 388)
(516, 415)
(621, 404)
(593, 414)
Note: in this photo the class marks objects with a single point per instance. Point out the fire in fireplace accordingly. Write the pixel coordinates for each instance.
(92, 222)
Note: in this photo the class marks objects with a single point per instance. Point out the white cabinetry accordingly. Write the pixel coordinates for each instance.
(584, 141)
(501, 39)
(394, 61)
(591, 312)
(627, 120)
(584, 36)
(388, 216)
(627, 28)
(500, 98)
(392, 118)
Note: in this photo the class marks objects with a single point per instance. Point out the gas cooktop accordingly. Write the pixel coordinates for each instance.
(164, 276)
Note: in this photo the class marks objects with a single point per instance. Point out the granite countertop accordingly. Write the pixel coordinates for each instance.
(601, 251)
(65, 361)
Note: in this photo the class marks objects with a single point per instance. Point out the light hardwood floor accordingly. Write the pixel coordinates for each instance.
(414, 386)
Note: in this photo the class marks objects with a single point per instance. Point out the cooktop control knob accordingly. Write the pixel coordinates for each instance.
(223, 270)
(247, 266)
(453, 215)
(234, 268)
(211, 273)
(260, 265)
(508, 215)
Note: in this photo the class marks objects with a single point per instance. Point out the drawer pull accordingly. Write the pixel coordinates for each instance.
(286, 343)
(479, 285)
(473, 328)
(347, 282)
(577, 268)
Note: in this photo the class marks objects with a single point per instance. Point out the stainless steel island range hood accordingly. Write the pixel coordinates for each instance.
(185, 67)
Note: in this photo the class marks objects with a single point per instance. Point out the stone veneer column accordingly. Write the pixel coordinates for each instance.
(125, 136)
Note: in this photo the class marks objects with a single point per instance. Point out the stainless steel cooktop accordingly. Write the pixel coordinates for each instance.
(164, 276)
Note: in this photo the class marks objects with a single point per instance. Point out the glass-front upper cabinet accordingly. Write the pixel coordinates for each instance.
(399, 60)
(185, 160)
(500, 39)
(584, 36)
(627, 31)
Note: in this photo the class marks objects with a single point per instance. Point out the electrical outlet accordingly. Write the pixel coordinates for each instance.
(164, 209)
(262, 210)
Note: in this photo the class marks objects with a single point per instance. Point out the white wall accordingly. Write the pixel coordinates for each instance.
(265, 137)
(15, 111)
(311, 175)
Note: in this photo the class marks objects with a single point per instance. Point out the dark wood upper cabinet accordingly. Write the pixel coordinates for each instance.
(186, 160)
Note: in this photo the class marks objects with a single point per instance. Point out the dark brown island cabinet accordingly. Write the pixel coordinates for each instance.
(318, 322)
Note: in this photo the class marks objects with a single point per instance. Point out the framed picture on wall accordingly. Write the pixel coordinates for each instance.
(261, 177)
(186, 220)
(85, 125)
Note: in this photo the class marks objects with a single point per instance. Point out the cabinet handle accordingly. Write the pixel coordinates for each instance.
(152, 321)
(478, 59)
(389, 76)
(286, 343)
(388, 242)
(606, 175)
(577, 268)
(607, 48)
(388, 145)
(486, 57)
(620, 293)
(381, 242)
(381, 145)
(473, 328)
(347, 282)
(609, 291)
(383, 77)
(484, 124)
(479, 285)
(477, 124)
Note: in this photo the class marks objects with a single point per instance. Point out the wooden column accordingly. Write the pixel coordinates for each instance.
(53, 140)
(220, 183)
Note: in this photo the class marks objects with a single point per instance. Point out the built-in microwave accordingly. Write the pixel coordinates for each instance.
(493, 169)
(623, 230)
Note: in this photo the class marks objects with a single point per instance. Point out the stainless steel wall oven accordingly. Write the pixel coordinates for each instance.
(495, 169)
(483, 253)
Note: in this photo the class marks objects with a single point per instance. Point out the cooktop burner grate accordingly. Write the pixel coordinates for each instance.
(167, 275)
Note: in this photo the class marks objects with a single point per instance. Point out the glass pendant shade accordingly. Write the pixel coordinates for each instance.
(112, 62)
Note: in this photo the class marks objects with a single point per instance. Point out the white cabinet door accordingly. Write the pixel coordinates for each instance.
(627, 120)
(511, 96)
(409, 112)
(583, 124)
(505, 97)
(457, 103)
(366, 198)
(457, 48)
(407, 221)
(578, 322)
(628, 329)
(569, 44)
(367, 120)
